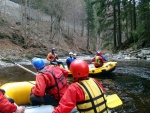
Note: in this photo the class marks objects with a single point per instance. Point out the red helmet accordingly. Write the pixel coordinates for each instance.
(98, 53)
(79, 69)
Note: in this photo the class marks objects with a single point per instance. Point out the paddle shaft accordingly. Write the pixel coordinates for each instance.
(25, 69)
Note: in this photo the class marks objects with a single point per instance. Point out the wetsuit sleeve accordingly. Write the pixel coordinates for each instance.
(92, 60)
(39, 88)
(104, 58)
(5, 105)
(67, 60)
(72, 95)
(65, 72)
(56, 56)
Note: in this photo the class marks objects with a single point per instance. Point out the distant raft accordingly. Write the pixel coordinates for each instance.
(107, 67)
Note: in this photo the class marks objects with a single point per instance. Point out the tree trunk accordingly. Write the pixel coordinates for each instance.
(88, 39)
(82, 29)
(131, 20)
(134, 15)
(119, 25)
(114, 29)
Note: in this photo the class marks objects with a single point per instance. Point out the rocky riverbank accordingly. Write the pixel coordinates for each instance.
(130, 54)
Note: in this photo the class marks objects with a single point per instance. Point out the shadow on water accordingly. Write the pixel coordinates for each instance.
(130, 80)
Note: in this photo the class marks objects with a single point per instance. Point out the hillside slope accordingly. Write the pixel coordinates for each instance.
(30, 31)
(14, 43)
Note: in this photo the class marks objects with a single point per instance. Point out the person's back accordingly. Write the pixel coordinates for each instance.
(98, 60)
(90, 85)
(103, 57)
(54, 76)
(86, 93)
(50, 80)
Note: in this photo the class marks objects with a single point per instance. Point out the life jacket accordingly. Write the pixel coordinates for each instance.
(52, 57)
(94, 98)
(56, 78)
(97, 61)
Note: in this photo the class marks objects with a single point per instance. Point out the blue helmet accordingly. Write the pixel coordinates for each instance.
(38, 63)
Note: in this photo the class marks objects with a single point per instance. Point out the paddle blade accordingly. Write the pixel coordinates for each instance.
(113, 101)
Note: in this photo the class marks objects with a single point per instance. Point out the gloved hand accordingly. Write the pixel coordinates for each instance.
(3, 91)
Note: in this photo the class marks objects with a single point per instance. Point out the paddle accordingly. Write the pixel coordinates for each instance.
(25, 68)
(113, 101)
(22, 67)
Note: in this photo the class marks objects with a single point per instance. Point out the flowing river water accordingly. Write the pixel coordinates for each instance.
(130, 80)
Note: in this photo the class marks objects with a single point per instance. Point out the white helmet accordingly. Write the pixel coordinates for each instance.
(74, 54)
(70, 53)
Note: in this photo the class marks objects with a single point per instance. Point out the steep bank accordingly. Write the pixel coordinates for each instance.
(14, 44)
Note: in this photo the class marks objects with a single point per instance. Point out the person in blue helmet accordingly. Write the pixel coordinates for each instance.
(51, 83)
(69, 59)
(105, 60)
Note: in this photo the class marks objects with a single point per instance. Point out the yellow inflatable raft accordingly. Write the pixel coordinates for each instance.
(20, 92)
(106, 68)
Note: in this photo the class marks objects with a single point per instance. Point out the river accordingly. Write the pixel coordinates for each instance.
(130, 80)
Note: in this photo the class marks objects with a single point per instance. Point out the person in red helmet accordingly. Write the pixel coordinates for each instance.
(6, 106)
(98, 60)
(85, 93)
(51, 83)
(101, 55)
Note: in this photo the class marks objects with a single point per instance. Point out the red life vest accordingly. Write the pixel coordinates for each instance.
(56, 81)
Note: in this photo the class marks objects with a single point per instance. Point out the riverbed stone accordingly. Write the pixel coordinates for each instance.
(146, 51)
